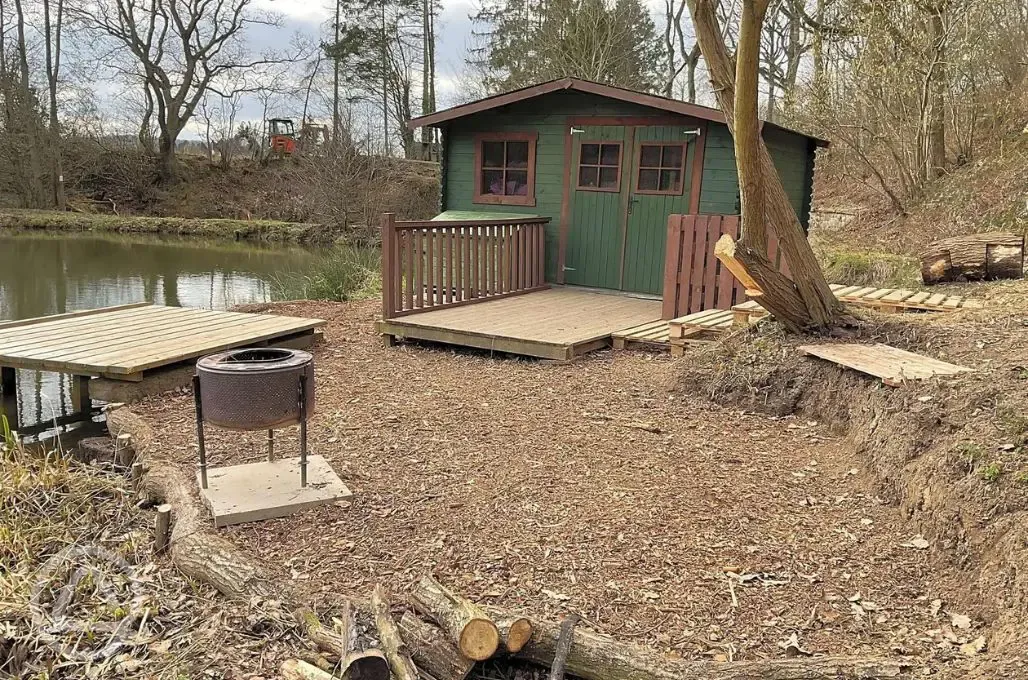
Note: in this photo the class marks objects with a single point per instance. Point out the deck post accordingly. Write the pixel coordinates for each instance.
(80, 399)
(389, 273)
(9, 396)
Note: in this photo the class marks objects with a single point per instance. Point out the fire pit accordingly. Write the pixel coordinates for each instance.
(254, 389)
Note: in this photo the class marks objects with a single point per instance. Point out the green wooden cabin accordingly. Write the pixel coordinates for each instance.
(607, 166)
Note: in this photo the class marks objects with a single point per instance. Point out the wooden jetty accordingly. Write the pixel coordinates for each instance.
(132, 349)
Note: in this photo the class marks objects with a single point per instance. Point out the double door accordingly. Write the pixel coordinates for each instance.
(625, 181)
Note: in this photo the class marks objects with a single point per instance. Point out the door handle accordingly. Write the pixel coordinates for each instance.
(632, 200)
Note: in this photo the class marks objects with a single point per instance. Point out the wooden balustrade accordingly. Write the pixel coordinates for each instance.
(430, 265)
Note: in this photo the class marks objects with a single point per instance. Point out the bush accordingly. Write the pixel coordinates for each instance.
(344, 273)
(870, 269)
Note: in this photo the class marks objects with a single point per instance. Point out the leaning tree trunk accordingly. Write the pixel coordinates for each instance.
(821, 308)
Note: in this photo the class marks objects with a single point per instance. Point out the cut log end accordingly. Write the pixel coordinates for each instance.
(519, 634)
(367, 667)
(479, 640)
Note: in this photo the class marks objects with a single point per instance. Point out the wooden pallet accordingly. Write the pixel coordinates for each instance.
(654, 334)
(881, 299)
(893, 366)
(699, 327)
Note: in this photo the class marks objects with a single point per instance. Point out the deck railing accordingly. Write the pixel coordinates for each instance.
(435, 264)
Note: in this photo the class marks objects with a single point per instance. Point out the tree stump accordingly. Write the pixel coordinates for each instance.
(974, 257)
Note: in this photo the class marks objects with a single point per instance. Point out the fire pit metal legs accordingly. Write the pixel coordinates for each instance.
(303, 428)
(199, 432)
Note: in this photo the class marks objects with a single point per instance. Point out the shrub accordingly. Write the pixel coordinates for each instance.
(344, 273)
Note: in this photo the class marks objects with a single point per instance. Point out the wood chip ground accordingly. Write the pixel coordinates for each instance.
(589, 488)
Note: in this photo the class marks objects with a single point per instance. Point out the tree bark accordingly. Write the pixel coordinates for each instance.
(746, 132)
(432, 651)
(974, 257)
(396, 651)
(822, 309)
(593, 656)
(476, 635)
(294, 669)
(763, 282)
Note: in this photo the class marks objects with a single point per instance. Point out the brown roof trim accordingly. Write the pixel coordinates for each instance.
(621, 94)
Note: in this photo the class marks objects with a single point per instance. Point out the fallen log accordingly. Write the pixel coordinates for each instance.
(396, 651)
(593, 656)
(357, 657)
(432, 650)
(974, 257)
(515, 632)
(475, 634)
(294, 669)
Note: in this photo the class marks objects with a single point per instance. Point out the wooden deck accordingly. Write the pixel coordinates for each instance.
(128, 343)
(557, 323)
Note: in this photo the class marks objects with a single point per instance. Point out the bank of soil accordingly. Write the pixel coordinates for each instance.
(593, 488)
(952, 454)
(254, 230)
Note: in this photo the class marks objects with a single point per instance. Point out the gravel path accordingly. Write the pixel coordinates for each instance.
(588, 487)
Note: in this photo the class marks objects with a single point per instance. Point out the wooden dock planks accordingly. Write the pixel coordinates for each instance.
(123, 342)
(892, 365)
(555, 323)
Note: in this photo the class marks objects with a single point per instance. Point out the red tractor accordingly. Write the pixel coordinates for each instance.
(281, 136)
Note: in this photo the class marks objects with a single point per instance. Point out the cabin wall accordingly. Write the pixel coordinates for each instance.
(548, 117)
(794, 159)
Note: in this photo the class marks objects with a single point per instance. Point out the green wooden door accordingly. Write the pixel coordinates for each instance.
(661, 170)
(599, 191)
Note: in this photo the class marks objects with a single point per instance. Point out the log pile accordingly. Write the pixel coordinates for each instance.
(446, 634)
(974, 257)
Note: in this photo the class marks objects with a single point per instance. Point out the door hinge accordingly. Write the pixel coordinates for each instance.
(569, 269)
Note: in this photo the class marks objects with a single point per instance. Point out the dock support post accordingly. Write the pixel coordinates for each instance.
(9, 395)
(80, 399)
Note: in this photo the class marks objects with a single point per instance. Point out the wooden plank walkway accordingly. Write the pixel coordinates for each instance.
(122, 343)
(654, 334)
(699, 327)
(557, 323)
(892, 365)
(881, 299)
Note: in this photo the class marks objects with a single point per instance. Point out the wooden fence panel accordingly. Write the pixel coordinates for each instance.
(694, 279)
(430, 265)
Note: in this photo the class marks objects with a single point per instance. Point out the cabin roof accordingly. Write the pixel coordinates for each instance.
(575, 84)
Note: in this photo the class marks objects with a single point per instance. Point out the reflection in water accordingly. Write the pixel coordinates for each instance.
(43, 273)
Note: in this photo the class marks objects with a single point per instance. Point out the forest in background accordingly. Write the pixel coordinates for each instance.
(111, 95)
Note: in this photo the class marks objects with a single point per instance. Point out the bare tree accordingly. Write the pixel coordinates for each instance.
(53, 21)
(182, 48)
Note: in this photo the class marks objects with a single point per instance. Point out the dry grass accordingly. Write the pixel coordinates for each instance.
(82, 596)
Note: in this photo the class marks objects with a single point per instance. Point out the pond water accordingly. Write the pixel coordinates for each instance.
(50, 273)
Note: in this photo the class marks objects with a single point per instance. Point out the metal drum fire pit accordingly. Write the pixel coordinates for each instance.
(249, 389)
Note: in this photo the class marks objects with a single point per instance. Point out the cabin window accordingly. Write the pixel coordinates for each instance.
(661, 169)
(505, 168)
(599, 166)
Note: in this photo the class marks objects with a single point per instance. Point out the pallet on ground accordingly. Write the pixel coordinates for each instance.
(880, 299)
(699, 327)
(653, 334)
(892, 365)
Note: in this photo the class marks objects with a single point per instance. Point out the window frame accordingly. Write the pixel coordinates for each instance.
(497, 199)
(677, 190)
(601, 143)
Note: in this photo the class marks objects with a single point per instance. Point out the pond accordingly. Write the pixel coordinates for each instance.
(49, 273)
